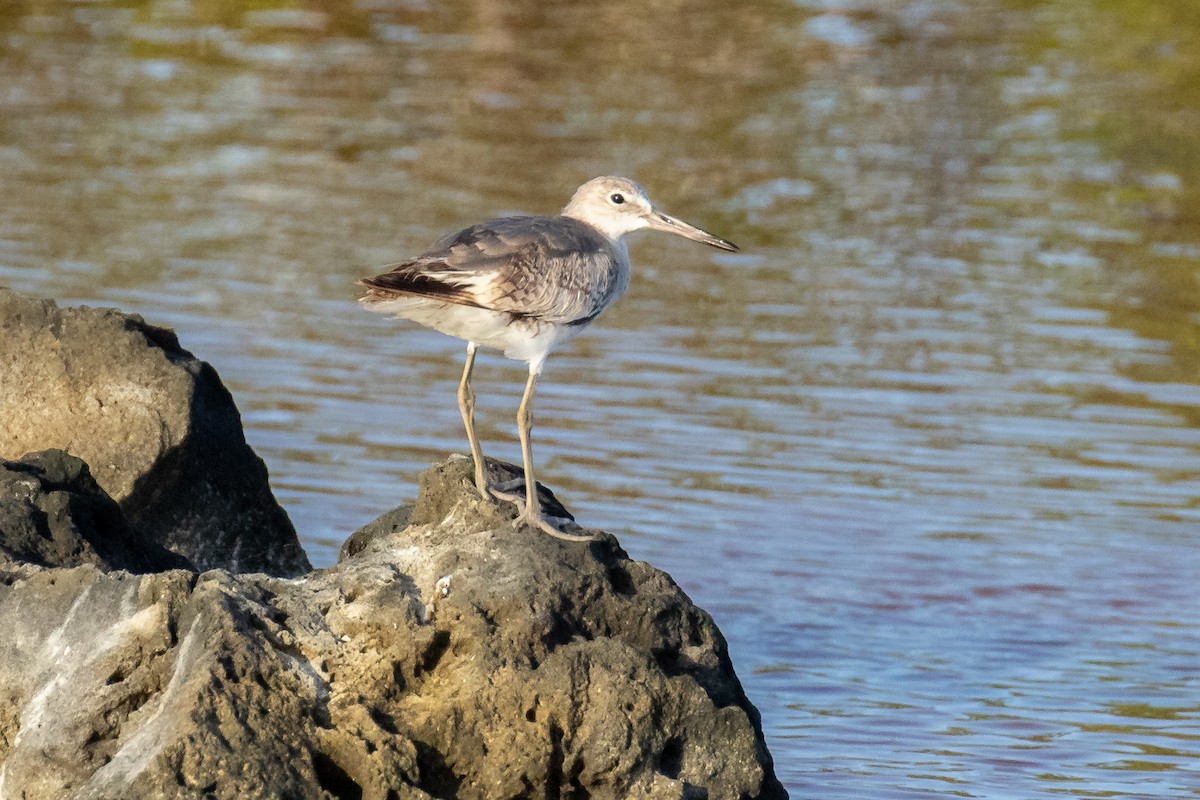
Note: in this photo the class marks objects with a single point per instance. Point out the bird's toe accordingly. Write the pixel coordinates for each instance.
(544, 524)
(505, 490)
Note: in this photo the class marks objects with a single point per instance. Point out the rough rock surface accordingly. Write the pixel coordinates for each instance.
(52, 513)
(158, 429)
(446, 655)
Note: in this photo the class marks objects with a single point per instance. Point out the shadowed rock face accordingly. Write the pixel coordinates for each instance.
(453, 658)
(52, 513)
(158, 429)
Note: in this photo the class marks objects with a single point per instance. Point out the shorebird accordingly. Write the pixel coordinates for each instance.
(524, 285)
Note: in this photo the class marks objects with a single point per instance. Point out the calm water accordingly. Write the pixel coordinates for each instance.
(929, 449)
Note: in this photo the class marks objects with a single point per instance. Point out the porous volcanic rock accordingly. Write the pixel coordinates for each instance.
(159, 431)
(446, 655)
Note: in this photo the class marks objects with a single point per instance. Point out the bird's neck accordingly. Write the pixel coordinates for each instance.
(615, 235)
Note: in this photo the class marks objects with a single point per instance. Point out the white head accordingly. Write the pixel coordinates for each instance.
(617, 206)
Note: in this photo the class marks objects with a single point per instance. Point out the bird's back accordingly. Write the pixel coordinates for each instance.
(551, 269)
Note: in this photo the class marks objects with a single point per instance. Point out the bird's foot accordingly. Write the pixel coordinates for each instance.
(514, 491)
(504, 491)
(544, 525)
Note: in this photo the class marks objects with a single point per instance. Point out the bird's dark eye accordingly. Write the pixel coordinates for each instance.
(617, 199)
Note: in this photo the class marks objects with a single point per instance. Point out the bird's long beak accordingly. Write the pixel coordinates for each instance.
(665, 222)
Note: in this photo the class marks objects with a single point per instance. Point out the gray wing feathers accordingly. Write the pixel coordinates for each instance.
(551, 268)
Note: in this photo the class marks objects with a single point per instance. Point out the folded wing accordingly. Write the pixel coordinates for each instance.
(555, 269)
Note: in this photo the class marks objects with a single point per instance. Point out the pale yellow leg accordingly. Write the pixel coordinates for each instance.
(532, 515)
(466, 406)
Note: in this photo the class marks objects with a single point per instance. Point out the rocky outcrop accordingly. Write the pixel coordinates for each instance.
(455, 657)
(159, 431)
(447, 654)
